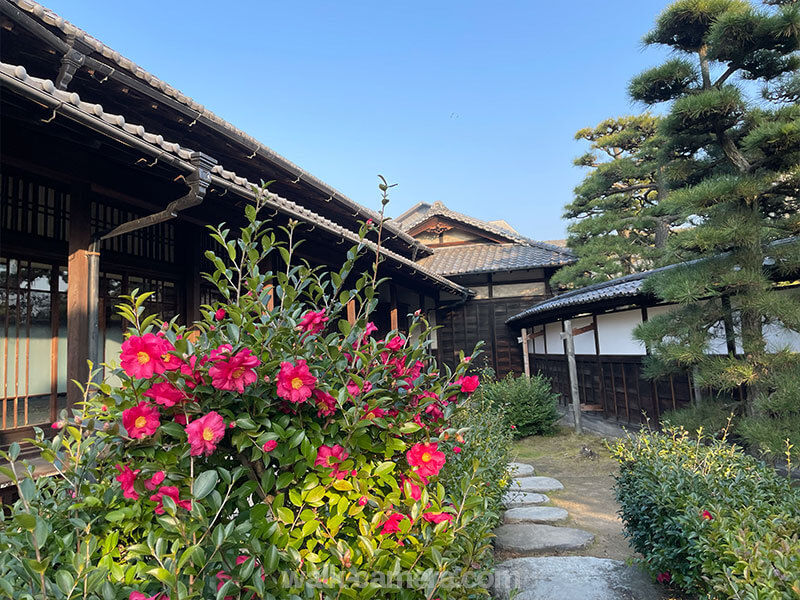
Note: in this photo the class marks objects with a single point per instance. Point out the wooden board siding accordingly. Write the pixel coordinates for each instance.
(616, 384)
(483, 320)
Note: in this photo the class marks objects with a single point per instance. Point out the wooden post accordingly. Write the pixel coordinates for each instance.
(77, 294)
(351, 312)
(393, 320)
(526, 365)
(573, 375)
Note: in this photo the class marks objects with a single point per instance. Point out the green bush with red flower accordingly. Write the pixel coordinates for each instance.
(707, 518)
(272, 450)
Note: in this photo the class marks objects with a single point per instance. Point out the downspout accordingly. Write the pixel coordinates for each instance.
(198, 182)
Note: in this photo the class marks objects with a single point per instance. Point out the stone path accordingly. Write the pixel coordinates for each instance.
(529, 530)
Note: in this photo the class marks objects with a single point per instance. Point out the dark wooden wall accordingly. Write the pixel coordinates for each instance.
(614, 387)
(483, 320)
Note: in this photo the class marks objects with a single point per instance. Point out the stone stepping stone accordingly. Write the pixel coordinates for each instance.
(517, 499)
(520, 469)
(535, 514)
(530, 537)
(536, 484)
(572, 578)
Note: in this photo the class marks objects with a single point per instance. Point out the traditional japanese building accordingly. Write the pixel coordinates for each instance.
(108, 178)
(507, 272)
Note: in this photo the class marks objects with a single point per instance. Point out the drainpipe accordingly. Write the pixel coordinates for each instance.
(198, 182)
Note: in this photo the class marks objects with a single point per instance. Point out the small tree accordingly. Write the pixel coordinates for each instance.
(616, 229)
(741, 165)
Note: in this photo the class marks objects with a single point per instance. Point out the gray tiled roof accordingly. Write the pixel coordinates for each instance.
(53, 19)
(487, 258)
(438, 209)
(622, 287)
(64, 102)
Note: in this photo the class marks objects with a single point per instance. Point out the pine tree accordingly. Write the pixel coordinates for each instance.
(734, 169)
(616, 230)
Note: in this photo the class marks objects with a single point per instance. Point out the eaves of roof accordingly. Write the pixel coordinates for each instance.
(491, 258)
(52, 19)
(70, 105)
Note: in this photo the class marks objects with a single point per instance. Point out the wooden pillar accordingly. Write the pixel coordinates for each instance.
(393, 320)
(351, 312)
(191, 255)
(526, 365)
(569, 344)
(77, 293)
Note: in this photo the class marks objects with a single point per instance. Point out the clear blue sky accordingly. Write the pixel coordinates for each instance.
(471, 103)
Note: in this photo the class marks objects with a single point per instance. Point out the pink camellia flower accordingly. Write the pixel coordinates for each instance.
(220, 352)
(707, 515)
(456, 449)
(57, 425)
(434, 411)
(235, 373)
(313, 322)
(326, 404)
(354, 390)
(664, 577)
(171, 361)
(370, 329)
(410, 489)
(220, 314)
(142, 357)
(392, 523)
(375, 413)
(141, 420)
(432, 517)
(269, 445)
(156, 480)
(141, 596)
(427, 458)
(295, 382)
(363, 501)
(396, 343)
(165, 393)
(182, 419)
(468, 384)
(204, 434)
(172, 492)
(126, 479)
(332, 456)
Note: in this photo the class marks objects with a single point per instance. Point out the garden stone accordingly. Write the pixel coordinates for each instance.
(516, 499)
(530, 537)
(571, 578)
(520, 469)
(536, 484)
(535, 514)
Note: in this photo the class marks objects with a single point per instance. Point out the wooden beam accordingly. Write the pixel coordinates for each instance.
(584, 329)
(77, 294)
(525, 358)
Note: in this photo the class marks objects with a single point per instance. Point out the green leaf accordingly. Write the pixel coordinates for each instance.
(315, 495)
(13, 451)
(115, 515)
(384, 467)
(204, 483)
(163, 575)
(65, 581)
(285, 515)
(25, 521)
(284, 479)
(271, 559)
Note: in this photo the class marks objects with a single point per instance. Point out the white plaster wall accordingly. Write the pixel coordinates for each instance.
(538, 343)
(779, 337)
(616, 332)
(553, 334)
(584, 343)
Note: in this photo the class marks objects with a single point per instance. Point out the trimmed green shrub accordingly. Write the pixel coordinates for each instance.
(712, 417)
(529, 404)
(708, 518)
(767, 436)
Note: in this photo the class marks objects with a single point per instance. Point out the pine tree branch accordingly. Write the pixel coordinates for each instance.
(631, 188)
(733, 153)
(722, 78)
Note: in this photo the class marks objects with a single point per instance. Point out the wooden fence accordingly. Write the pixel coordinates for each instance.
(613, 386)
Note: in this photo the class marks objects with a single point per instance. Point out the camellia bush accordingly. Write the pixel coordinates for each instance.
(707, 518)
(271, 450)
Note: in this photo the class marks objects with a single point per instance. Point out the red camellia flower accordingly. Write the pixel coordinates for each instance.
(363, 501)
(313, 322)
(432, 517)
(269, 445)
(126, 478)
(354, 390)
(392, 523)
(295, 382)
(140, 420)
(165, 393)
(707, 515)
(141, 596)
(332, 456)
(468, 384)
(396, 343)
(142, 357)
(220, 314)
(456, 449)
(57, 425)
(172, 492)
(326, 404)
(427, 458)
(664, 577)
(204, 434)
(410, 489)
(155, 480)
(236, 372)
